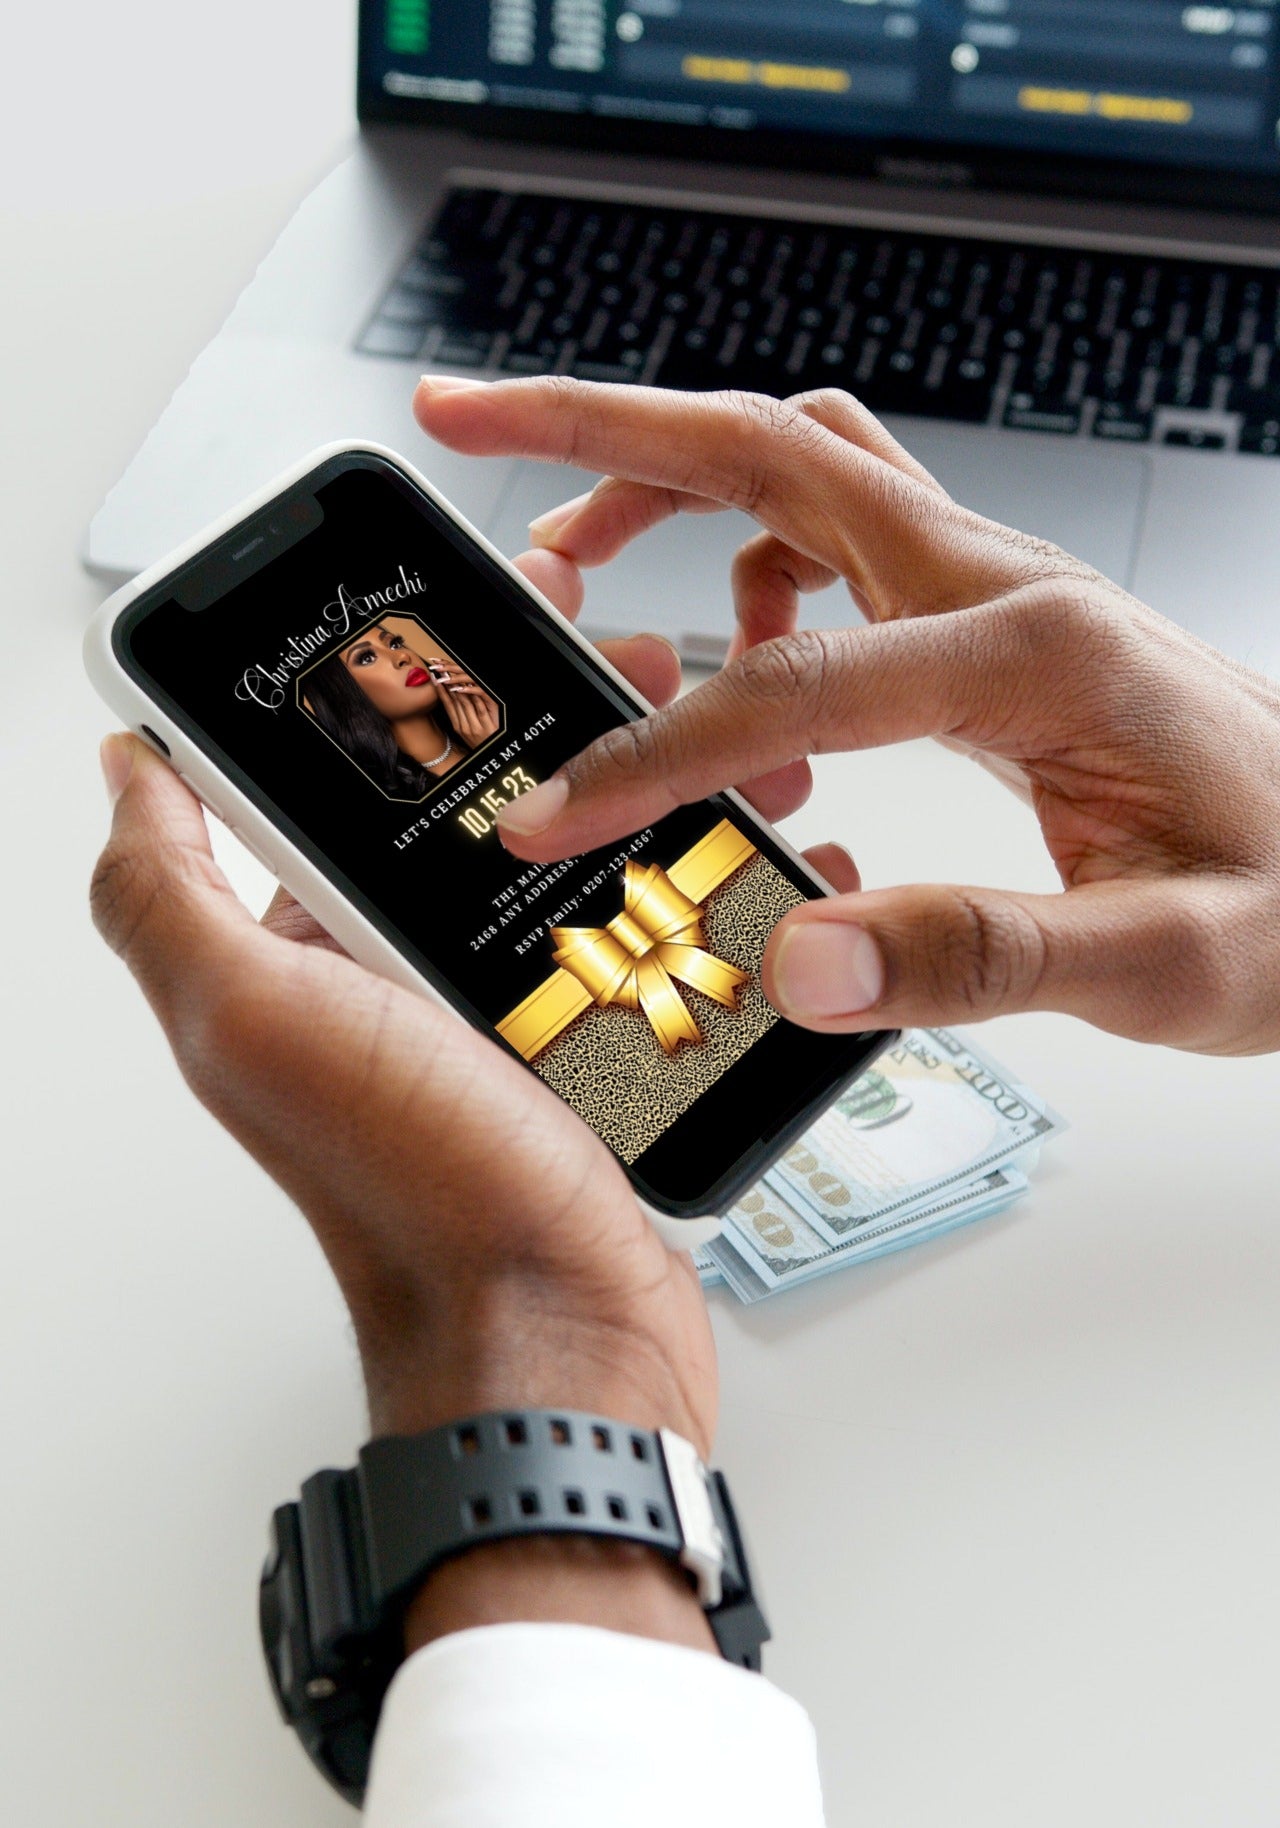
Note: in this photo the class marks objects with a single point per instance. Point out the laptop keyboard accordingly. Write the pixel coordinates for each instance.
(1078, 343)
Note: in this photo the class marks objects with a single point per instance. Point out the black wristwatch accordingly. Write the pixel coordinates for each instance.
(347, 1558)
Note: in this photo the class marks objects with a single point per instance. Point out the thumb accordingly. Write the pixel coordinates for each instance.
(1144, 957)
(157, 897)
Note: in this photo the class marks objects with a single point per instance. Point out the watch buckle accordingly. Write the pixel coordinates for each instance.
(703, 1548)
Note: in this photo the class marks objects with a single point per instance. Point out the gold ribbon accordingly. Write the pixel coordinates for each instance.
(633, 961)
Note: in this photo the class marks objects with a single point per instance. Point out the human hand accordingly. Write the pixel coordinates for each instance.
(1152, 763)
(469, 708)
(478, 1277)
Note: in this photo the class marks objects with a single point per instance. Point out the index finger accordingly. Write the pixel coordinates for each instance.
(824, 495)
(594, 528)
(802, 695)
(832, 495)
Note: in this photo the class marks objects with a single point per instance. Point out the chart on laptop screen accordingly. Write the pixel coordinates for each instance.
(1149, 79)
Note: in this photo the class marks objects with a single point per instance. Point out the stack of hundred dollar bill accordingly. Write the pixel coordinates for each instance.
(936, 1135)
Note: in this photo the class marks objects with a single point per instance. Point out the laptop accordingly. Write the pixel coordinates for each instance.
(1040, 237)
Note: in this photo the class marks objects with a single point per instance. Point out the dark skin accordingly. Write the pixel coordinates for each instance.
(1151, 762)
(421, 710)
(531, 1280)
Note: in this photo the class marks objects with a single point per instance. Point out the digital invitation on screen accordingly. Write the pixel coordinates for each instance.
(389, 699)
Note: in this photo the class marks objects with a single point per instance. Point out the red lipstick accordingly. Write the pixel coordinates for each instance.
(417, 676)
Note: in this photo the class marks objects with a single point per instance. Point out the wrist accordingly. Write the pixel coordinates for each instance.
(503, 1353)
(615, 1586)
(485, 1363)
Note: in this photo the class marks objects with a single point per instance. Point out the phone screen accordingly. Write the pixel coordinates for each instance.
(380, 688)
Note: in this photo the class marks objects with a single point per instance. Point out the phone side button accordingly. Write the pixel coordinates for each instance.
(253, 851)
(201, 796)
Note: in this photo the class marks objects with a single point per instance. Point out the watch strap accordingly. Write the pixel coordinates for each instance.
(489, 1478)
(347, 1558)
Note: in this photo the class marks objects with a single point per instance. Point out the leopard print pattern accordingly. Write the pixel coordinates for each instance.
(609, 1065)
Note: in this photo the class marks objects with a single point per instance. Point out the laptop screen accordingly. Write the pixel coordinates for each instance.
(1045, 88)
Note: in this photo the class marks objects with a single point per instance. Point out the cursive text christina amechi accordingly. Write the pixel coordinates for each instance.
(266, 685)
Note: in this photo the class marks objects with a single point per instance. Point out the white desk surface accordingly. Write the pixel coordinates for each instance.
(1016, 1498)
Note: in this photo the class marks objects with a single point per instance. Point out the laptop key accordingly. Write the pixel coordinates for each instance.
(1261, 438)
(1122, 425)
(464, 351)
(525, 362)
(403, 306)
(391, 339)
(602, 371)
(1192, 438)
(1024, 414)
(1192, 392)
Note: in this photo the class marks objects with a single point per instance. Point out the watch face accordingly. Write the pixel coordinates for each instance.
(332, 1699)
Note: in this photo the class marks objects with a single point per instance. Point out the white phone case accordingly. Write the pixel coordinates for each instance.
(256, 832)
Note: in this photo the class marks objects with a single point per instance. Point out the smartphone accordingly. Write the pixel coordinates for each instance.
(356, 681)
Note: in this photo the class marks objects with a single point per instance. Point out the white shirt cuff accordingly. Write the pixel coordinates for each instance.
(568, 1726)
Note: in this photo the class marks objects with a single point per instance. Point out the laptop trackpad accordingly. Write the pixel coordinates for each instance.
(675, 582)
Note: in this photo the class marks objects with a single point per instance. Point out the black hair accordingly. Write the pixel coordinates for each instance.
(344, 713)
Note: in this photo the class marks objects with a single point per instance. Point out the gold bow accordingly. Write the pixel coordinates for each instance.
(658, 937)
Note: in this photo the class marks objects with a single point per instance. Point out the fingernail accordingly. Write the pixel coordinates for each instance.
(449, 383)
(116, 759)
(825, 968)
(533, 812)
(543, 530)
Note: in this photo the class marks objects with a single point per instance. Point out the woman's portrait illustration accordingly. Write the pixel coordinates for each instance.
(402, 708)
